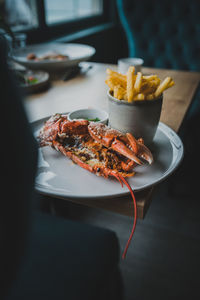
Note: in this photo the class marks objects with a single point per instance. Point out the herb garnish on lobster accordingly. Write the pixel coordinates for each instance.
(97, 148)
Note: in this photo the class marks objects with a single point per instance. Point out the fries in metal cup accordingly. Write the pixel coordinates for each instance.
(133, 87)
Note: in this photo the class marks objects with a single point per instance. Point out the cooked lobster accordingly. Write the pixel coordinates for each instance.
(96, 148)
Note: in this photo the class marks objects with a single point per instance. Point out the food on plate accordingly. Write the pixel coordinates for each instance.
(97, 148)
(88, 119)
(93, 120)
(47, 56)
(25, 79)
(131, 87)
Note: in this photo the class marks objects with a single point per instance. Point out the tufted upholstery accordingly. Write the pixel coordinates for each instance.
(166, 34)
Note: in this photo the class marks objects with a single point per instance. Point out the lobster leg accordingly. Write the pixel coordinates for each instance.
(128, 165)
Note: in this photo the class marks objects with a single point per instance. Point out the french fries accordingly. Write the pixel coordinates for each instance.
(163, 86)
(130, 84)
(138, 82)
(131, 87)
(119, 92)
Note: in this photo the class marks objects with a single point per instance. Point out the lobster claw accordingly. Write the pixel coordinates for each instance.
(120, 147)
(139, 148)
(145, 153)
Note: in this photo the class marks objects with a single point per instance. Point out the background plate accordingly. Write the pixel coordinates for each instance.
(76, 53)
(41, 76)
(59, 176)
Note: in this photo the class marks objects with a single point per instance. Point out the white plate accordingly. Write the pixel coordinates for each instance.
(41, 76)
(76, 53)
(59, 176)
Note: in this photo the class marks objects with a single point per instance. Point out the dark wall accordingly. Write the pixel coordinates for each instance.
(109, 44)
(109, 41)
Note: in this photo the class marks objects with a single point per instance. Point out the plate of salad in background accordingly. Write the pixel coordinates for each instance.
(32, 81)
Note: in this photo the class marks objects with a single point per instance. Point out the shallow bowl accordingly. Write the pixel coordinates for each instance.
(89, 114)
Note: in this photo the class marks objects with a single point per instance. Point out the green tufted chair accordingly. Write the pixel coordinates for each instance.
(166, 34)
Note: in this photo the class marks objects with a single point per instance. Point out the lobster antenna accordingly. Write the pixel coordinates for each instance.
(118, 177)
(135, 216)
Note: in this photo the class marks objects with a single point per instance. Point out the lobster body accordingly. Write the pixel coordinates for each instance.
(94, 146)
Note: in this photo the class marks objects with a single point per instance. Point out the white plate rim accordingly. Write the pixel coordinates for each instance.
(52, 62)
(170, 134)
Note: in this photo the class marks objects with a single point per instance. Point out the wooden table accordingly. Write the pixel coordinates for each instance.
(90, 91)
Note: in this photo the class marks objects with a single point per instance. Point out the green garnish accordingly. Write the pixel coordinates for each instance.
(24, 79)
(31, 80)
(93, 120)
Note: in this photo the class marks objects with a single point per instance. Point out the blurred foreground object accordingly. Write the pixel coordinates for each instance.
(41, 256)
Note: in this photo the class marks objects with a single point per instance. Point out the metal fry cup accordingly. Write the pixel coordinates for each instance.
(140, 117)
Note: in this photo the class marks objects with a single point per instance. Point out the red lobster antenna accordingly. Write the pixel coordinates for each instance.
(135, 216)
